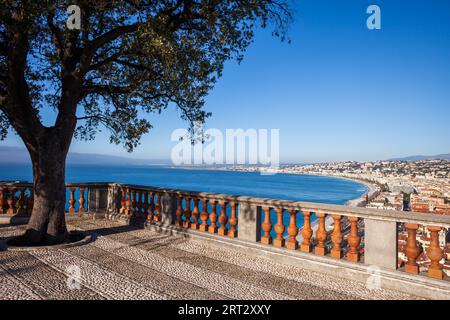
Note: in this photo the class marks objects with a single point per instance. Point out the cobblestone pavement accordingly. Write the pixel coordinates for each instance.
(126, 262)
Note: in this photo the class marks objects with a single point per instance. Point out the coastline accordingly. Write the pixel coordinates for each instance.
(372, 189)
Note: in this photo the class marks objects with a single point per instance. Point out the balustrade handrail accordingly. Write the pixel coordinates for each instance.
(9, 184)
(360, 212)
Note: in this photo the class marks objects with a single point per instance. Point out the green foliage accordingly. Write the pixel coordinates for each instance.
(130, 58)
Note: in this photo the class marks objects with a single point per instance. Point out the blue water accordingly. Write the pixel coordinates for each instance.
(279, 186)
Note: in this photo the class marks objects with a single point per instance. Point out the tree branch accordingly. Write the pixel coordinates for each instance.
(112, 35)
(107, 89)
(18, 107)
(56, 34)
(105, 61)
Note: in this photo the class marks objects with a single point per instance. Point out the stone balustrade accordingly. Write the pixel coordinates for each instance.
(339, 233)
(17, 198)
(214, 214)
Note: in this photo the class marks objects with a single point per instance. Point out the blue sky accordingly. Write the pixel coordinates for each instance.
(338, 92)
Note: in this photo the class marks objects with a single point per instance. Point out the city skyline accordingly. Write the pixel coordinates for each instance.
(337, 92)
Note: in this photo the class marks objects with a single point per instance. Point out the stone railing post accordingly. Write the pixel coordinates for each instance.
(114, 201)
(168, 208)
(380, 243)
(98, 200)
(249, 223)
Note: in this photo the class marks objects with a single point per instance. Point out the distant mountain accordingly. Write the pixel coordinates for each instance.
(20, 156)
(419, 158)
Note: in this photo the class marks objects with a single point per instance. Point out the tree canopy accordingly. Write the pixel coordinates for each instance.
(127, 59)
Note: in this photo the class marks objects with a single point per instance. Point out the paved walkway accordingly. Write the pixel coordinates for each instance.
(125, 262)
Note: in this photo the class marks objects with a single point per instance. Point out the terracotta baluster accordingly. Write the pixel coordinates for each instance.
(213, 217)
(321, 236)
(142, 211)
(292, 242)
(233, 221)
(30, 202)
(132, 203)
(20, 201)
(266, 226)
(354, 240)
(81, 201)
(72, 200)
(187, 213)
(195, 214)
(412, 250)
(336, 237)
(204, 215)
(128, 203)
(123, 202)
(435, 254)
(223, 219)
(145, 205)
(2, 201)
(279, 229)
(179, 212)
(137, 203)
(151, 207)
(10, 201)
(142, 205)
(133, 196)
(157, 216)
(306, 232)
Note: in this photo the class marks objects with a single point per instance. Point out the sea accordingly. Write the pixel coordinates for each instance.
(278, 186)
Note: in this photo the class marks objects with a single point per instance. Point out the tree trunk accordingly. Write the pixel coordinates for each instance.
(47, 224)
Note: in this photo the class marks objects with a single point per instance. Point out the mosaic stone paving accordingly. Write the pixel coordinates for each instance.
(126, 262)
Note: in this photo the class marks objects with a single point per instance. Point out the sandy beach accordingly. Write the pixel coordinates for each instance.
(372, 191)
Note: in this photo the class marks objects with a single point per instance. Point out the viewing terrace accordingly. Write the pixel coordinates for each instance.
(155, 243)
